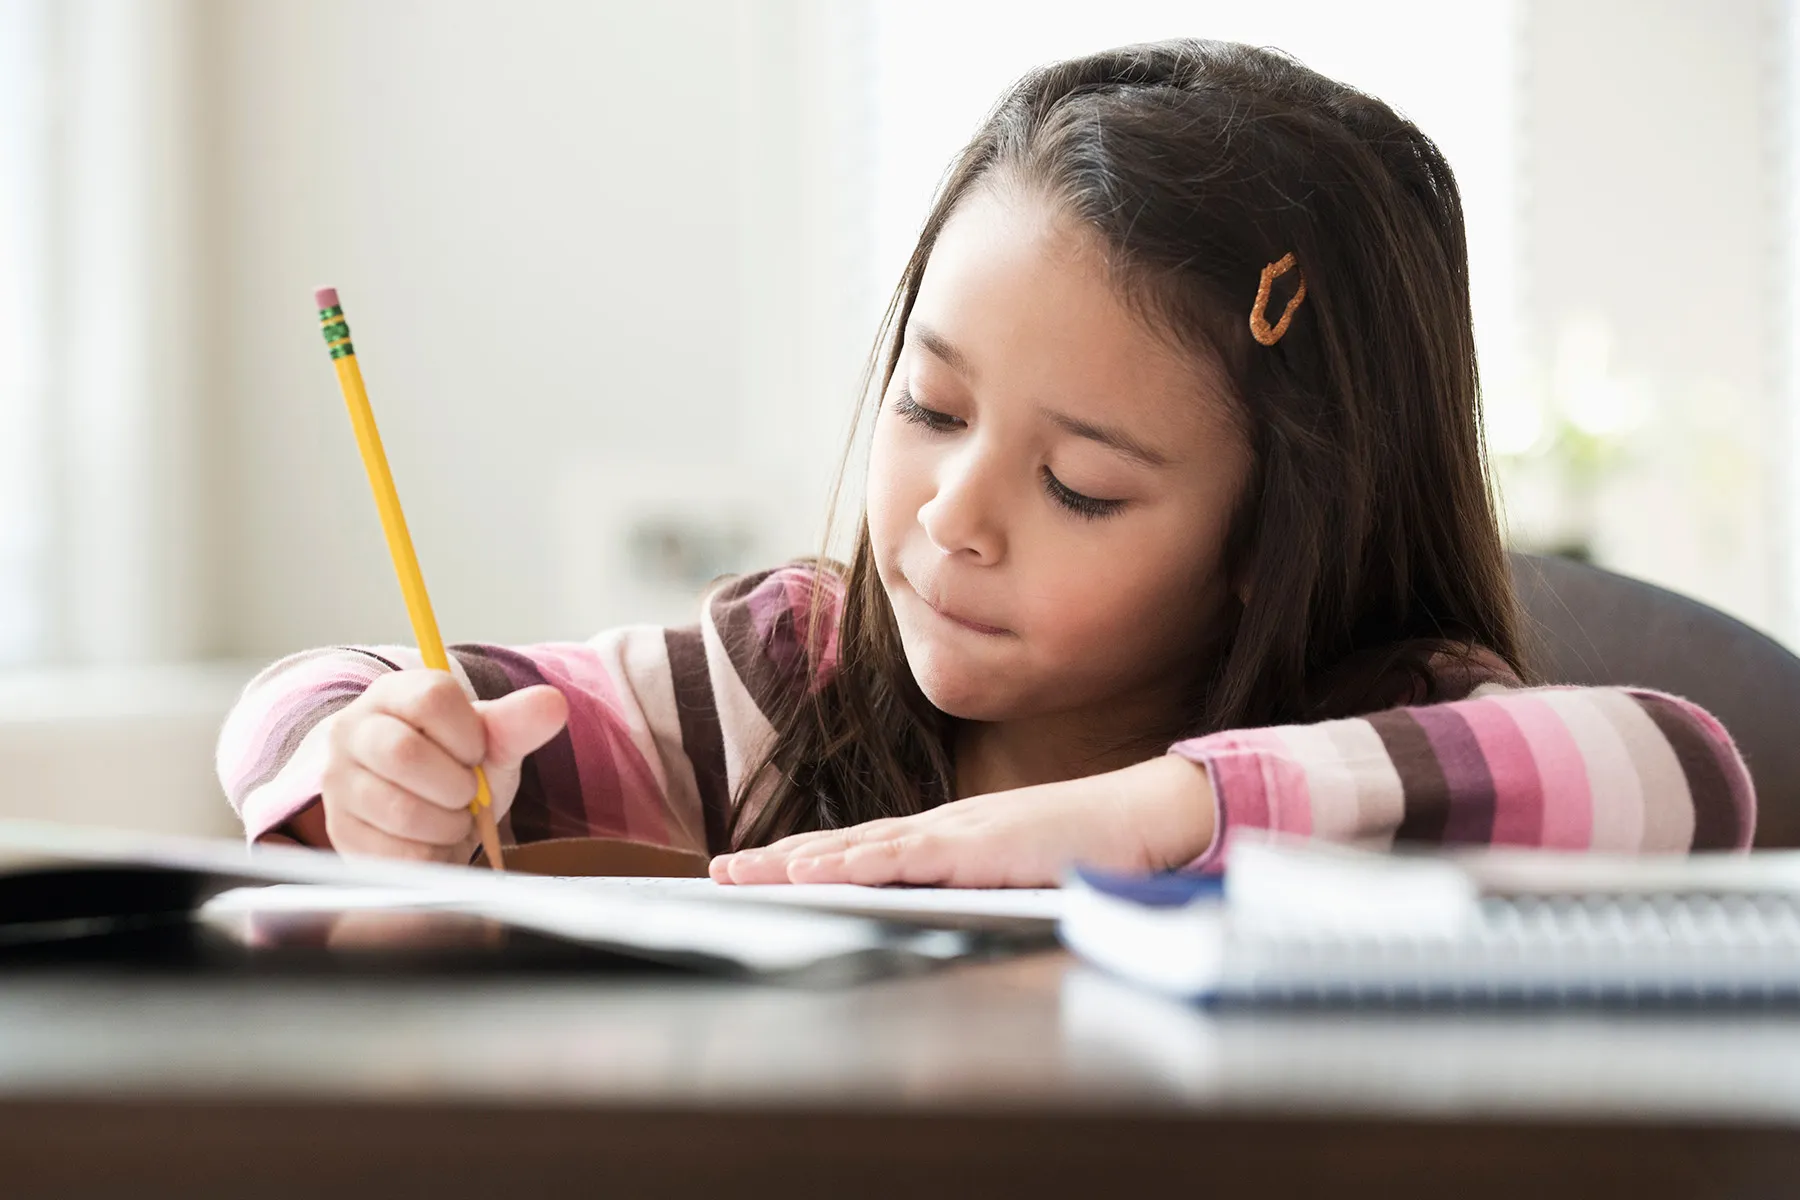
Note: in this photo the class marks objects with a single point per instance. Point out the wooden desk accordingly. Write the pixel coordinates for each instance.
(1030, 1077)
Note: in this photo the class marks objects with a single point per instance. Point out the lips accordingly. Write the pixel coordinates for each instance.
(958, 619)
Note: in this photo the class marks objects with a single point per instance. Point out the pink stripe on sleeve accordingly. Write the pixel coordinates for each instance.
(1231, 772)
(1258, 784)
(1615, 789)
(619, 790)
(1332, 804)
(1518, 790)
(1567, 802)
(803, 590)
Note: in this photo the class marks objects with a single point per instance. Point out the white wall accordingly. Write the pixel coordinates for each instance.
(581, 247)
(551, 225)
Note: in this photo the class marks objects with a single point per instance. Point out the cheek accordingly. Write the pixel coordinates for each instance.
(879, 501)
(1141, 605)
(895, 479)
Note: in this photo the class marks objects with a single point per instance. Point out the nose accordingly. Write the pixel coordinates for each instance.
(963, 517)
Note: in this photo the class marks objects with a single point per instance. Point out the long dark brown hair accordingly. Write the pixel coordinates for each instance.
(1366, 542)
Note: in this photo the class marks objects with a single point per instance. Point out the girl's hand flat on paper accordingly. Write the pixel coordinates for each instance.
(1148, 817)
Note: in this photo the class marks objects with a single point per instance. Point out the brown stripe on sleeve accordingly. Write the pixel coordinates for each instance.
(383, 659)
(490, 683)
(549, 801)
(1425, 796)
(287, 738)
(324, 702)
(701, 736)
(1470, 798)
(485, 675)
(1716, 818)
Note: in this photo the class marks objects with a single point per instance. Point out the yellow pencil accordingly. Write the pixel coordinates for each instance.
(393, 523)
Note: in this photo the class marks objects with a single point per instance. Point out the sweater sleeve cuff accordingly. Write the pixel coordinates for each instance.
(264, 818)
(273, 803)
(1212, 859)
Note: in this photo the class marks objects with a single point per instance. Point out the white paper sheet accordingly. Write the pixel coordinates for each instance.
(677, 920)
(892, 903)
(1014, 909)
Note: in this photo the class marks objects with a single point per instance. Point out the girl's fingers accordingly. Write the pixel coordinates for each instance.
(520, 722)
(768, 864)
(352, 836)
(835, 839)
(918, 858)
(384, 805)
(433, 702)
(750, 866)
(387, 746)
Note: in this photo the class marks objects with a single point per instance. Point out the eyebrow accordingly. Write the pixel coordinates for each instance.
(941, 348)
(1115, 439)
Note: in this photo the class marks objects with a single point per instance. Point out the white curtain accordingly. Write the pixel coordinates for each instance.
(103, 455)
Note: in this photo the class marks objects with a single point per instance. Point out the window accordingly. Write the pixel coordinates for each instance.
(25, 297)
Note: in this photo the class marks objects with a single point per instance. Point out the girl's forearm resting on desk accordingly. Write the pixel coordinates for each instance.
(1615, 769)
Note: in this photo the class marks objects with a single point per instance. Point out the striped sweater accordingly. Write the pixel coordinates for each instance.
(664, 723)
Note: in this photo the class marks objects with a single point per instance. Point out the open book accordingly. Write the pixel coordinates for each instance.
(61, 881)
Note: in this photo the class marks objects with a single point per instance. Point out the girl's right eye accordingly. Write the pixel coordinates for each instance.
(911, 410)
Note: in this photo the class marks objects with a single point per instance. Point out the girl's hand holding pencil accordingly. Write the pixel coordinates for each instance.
(400, 772)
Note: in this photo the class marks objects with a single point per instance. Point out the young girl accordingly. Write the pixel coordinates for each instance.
(1177, 523)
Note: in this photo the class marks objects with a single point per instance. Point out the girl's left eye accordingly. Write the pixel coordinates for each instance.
(1075, 502)
(911, 410)
(941, 422)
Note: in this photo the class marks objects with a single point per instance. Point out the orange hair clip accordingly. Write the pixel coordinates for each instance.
(1260, 329)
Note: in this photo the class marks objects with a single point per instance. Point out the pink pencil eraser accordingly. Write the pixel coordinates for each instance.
(326, 297)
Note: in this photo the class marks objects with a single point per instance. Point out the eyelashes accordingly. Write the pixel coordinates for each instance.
(1075, 502)
(1090, 507)
(918, 414)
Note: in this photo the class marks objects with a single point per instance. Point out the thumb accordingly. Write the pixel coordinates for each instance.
(520, 722)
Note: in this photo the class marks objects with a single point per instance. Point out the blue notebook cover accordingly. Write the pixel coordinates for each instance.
(1168, 889)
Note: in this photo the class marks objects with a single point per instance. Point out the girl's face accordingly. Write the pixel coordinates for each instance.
(1051, 482)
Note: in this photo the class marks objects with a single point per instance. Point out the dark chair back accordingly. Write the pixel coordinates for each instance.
(1589, 626)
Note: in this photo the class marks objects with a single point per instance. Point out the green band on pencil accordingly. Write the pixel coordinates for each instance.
(330, 314)
(336, 330)
(343, 350)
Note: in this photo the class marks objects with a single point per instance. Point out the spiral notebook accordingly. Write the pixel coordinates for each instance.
(1315, 925)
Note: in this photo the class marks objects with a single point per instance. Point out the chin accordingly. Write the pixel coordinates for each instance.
(962, 693)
